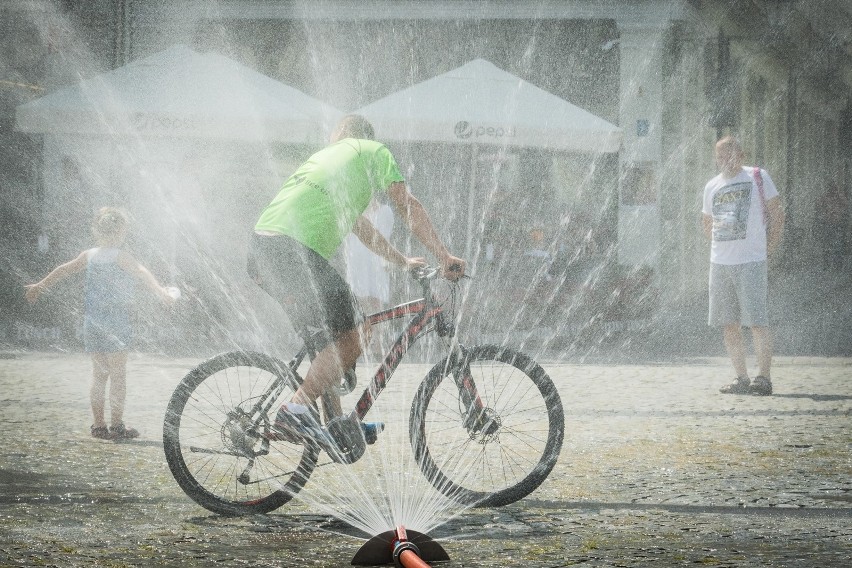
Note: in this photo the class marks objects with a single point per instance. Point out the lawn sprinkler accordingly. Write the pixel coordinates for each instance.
(404, 549)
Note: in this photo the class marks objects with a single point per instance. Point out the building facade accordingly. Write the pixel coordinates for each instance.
(675, 75)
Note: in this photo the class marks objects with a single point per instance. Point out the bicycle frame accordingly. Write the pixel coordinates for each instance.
(424, 315)
(425, 312)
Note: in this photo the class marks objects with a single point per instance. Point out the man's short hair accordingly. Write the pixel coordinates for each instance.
(355, 126)
(730, 142)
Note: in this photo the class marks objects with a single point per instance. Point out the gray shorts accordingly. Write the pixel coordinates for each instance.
(316, 298)
(738, 294)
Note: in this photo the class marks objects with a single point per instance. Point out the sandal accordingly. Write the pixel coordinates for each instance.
(121, 433)
(761, 386)
(101, 432)
(741, 385)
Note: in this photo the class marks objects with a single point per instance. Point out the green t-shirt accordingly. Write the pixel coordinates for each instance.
(319, 203)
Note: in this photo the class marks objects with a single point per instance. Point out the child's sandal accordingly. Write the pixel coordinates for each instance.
(101, 432)
(121, 433)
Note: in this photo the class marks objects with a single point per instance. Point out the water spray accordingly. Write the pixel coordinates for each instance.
(402, 548)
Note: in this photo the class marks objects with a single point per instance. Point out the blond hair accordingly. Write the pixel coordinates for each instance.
(110, 224)
(730, 143)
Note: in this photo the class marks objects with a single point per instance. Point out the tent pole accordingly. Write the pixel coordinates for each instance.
(471, 201)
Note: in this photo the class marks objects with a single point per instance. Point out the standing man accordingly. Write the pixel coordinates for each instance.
(303, 226)
(742, 215)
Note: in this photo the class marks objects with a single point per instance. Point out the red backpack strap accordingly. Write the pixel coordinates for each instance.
(758, 180)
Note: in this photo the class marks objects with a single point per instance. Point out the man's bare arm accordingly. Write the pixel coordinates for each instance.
(707, 225)
(376, 242)
(415, 215)
(776, 224)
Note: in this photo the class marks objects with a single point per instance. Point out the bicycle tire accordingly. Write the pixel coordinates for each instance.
(488, 469)
(206, 455)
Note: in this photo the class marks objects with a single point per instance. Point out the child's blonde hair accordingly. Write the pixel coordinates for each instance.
(110, 224)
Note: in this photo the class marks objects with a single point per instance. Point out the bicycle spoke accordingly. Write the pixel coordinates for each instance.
(213, 437)
(504, 450)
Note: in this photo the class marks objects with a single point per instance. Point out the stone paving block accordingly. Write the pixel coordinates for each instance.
(657, 468)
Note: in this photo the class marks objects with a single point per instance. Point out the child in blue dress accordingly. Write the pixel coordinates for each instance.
(109, 288)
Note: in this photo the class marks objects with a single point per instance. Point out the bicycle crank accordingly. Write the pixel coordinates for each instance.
(348, 439)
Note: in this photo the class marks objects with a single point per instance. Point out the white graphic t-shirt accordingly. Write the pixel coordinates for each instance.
(739, 232)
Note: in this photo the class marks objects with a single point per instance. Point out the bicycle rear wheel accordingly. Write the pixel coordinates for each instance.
(496, 456)
(219, 447)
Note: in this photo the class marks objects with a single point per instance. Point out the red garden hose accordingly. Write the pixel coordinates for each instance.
(405, 553)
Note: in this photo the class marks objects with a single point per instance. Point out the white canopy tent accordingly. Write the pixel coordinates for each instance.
(495, 115)
(182, 93)
(478, 103)
(192, 144)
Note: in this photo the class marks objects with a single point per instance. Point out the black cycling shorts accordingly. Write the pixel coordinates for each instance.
(317, 299)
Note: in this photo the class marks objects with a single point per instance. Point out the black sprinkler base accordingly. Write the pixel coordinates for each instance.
(380, 550)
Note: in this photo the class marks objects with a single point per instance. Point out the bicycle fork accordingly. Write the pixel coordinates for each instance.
(481, 422)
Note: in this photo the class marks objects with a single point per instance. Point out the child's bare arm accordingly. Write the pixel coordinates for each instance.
(130, 264)
(33, 291)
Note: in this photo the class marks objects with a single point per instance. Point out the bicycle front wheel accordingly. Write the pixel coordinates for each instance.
(490, 454)
(219, 446)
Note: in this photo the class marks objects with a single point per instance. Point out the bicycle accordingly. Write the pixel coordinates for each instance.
(488, 407)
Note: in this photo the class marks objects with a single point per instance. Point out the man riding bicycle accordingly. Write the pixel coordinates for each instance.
(299, 231)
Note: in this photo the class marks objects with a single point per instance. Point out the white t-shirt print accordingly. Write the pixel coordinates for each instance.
(739, 232)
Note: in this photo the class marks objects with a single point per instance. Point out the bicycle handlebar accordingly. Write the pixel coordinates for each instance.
(425, 273)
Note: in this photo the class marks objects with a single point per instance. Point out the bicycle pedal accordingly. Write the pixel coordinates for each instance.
(372, 431)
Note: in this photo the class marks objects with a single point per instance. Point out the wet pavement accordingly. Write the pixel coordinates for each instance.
(658, 468)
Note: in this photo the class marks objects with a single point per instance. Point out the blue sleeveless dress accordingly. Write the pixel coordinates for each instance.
(109, 293)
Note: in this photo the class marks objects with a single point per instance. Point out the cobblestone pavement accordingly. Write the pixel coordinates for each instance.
(657, 469)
